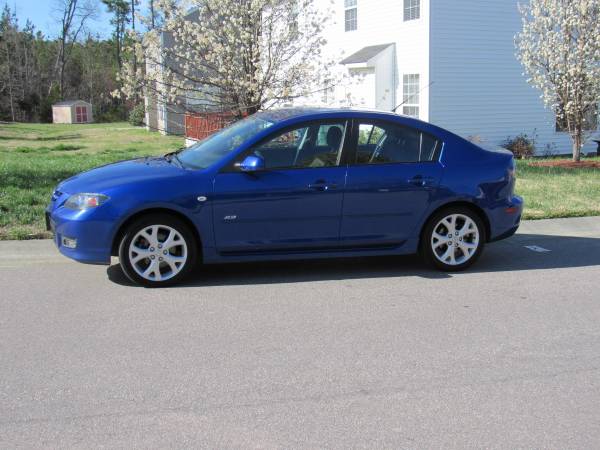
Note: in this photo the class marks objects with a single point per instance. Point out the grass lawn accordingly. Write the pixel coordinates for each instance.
(552, 192)
(35, 157)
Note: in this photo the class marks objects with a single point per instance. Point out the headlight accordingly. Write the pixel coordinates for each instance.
(80, 202)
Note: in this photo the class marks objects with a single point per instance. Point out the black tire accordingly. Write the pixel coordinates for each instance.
(161, 220)
(427, 250)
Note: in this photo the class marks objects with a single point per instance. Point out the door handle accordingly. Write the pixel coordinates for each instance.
(322, 185)
(420, 180)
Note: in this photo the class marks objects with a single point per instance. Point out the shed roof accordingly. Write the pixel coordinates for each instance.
(71, 103)
(365, 54)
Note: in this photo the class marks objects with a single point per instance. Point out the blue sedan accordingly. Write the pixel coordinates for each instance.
(292, 184)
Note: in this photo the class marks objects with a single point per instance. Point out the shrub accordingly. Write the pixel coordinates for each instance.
(522, 146)
(110, 113)
(137, 115)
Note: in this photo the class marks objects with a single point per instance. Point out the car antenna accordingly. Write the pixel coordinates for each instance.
(411, 96)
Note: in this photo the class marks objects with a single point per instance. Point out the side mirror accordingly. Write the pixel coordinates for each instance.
(252, 163)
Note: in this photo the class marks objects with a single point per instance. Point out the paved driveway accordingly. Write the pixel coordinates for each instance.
(360, 353)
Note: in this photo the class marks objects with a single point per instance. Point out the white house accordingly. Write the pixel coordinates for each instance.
(450, 62)
(160, 114)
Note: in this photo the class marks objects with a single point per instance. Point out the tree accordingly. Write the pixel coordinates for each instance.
(72, 15)
(234, 55)
(120, 10)
(559, 47)
(8, 64)
(19, 68)
(29, 83)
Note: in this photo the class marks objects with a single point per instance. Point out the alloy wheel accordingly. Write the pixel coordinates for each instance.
(455, 239)
(158, 252)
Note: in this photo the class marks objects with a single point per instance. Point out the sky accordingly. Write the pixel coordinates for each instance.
(41, 13)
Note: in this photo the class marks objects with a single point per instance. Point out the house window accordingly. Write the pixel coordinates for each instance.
(350, 15)
(410, 90)
(412, 9)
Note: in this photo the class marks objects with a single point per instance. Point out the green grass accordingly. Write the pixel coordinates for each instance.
(35, 157)
(552, 192)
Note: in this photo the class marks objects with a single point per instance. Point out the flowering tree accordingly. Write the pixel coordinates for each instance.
(559, 48)
(234, 55)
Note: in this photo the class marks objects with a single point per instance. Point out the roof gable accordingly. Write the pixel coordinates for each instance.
(71, 103)
(365, 54)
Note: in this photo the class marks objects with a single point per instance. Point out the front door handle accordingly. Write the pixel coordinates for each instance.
(322, 185)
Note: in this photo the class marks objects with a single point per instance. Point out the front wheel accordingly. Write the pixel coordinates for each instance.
(158, 250)
(453, 239)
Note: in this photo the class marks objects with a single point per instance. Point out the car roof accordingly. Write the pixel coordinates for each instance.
(280, 114)
(285, 116)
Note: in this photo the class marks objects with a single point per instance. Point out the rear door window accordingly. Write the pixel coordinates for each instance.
(388, 143)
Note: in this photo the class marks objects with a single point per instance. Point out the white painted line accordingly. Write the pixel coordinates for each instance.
(535, 248)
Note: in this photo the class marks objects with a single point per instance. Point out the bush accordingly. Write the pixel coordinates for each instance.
(137, 115)
(110, 113)
(522, 146)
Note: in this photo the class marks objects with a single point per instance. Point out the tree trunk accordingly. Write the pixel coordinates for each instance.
(577, 140)
(134, 56)
(61, 76)
(118, 39)
(10, 79)
(152, 15)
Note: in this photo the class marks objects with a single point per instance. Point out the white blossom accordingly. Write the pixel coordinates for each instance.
(233, 55)
(559, 47)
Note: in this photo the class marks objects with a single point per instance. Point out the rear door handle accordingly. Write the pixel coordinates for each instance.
(322, 185)
(422, 181)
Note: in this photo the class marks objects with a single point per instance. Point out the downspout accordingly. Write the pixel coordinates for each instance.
(395, 81)
(162, 78)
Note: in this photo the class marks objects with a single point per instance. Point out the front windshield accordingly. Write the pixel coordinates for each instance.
(216, 146)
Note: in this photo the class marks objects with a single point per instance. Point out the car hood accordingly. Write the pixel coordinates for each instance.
(104, 178)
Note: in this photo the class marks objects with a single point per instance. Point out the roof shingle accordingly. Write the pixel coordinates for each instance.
(365, 54)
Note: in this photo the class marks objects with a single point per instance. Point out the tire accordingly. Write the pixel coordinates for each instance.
(467, 239)
(158, 250)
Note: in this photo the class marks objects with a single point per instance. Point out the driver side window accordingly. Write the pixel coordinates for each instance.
(317, 144)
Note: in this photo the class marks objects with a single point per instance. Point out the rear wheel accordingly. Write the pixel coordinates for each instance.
(158, 250)
(453, 239)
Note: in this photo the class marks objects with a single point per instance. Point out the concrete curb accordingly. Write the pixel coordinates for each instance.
(575, 226)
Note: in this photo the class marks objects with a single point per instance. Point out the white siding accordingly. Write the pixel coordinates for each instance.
(382, 22)
(479, 88)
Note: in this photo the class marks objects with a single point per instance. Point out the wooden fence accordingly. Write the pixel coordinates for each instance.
(200, 125)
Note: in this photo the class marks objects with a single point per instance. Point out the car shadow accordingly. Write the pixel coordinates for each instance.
(505, 256)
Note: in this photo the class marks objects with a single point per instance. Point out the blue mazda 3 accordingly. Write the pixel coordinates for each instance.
(292, 184)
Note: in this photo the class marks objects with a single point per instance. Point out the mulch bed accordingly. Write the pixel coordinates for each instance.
(566, 164)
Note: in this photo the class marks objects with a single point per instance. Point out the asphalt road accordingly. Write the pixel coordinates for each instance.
(378, 353)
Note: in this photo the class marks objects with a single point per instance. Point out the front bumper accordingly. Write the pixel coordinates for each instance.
(92, 234)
